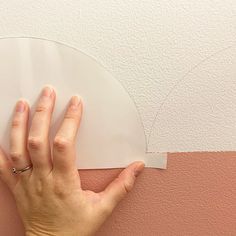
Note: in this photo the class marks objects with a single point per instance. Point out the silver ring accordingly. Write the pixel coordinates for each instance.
(18, 171)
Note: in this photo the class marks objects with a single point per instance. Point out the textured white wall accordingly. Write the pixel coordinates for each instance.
(147, 45)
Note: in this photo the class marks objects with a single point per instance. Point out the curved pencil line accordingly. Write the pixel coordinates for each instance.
(181, 80)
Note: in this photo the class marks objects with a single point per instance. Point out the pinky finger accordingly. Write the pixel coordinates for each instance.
(6, 174)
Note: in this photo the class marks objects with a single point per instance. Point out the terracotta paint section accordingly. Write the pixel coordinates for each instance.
(196, 195)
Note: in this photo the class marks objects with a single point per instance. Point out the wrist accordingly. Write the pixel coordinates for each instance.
(39, 234)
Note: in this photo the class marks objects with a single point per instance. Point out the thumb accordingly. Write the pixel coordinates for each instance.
(123, 184)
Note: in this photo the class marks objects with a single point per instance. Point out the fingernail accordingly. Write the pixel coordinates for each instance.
(75, 102)
(139, 168)
(47, 91)
(20, 106)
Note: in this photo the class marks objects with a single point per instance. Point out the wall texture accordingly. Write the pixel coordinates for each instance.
(195, 196)
(146, 45)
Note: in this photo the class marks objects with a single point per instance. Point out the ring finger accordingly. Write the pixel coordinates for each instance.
(18, 136)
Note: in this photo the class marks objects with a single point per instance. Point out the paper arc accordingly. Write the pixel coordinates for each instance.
(111, 133)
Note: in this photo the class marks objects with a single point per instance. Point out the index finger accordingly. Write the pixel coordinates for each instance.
(64, 150)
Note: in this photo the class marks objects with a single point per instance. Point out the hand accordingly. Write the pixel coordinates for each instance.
(49, 197)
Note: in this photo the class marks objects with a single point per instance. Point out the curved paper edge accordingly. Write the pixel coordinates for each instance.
(28, 84)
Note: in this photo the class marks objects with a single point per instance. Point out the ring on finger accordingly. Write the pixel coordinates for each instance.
(18, 171)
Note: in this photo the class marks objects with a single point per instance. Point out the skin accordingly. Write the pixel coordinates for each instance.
(49, 196)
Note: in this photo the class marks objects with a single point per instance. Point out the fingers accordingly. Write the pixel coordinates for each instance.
(38, 140)
(18, 136)
(64, 151)
(123, 184)
(6, 174)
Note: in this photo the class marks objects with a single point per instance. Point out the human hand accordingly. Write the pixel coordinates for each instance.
(49, 196)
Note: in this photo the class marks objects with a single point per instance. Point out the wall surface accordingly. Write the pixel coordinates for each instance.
(195, 196)
(147, 46)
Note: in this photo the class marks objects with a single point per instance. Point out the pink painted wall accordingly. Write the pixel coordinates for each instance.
(196, 195)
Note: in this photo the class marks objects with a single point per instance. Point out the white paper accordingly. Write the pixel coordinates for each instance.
(151, 47)
(111, 133)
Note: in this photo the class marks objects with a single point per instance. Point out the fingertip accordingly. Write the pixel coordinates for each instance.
(140, 163)
(78, 97)
(76, 104)
(136, 164)
(139, 168)
(48, 91)
(24, 101)
(48, 86)
(79, 101)
(75, 101)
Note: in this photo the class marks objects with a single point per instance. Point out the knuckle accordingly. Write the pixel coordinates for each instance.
(16, 156)
(70, 116)
(39, 188)
(15, 123)
(60, 191)
(127, 186)
(41, 108)
(61, 144)
(35, 143)
(107, 209)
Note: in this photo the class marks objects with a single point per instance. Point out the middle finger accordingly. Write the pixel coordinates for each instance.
(38, 140)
